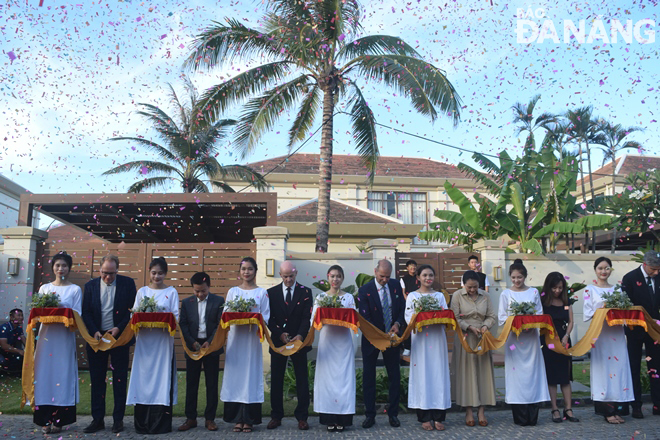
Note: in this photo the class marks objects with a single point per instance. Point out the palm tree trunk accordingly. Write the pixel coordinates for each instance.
(584, 189)
(325, 172)
(593, 196)
(614, 230)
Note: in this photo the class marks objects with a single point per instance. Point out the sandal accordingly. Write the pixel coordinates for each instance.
(439, 426)
(620, 419)
(247, 428)
(238, 428)
(612, 420)
(571, 418)
(426, 426)
(557, 419)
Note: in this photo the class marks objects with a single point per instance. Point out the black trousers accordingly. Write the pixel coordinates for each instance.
(98, 368)
(635, 355)
(525, 414)
(431, 415)
(391, 360)
(211, 364)
(278, 365)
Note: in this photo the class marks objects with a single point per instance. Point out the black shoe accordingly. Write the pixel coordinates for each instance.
(570, 418)
(96, 425)
(394, 422)
(557, 419)
(340, 428)
(637, 413)
(368, 422)
(117, 427)
(331, 428)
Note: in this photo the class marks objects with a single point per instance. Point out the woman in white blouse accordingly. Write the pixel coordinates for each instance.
(55, 362)
(334, 381)
(153, 387)
(243, 381)
(524, 375)
(610, 376)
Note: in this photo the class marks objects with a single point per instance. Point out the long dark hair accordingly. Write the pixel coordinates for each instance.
(551, 281)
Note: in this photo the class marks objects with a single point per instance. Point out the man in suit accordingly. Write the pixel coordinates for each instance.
(643, 288)
(199, 320)
(12, 344)
(106, 308)
(290, 315)
(381, 302)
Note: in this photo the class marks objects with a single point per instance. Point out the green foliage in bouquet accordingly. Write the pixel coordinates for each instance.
(148, 304)
(331, 301)
(240, 305)
(427, 303)
(617, 299)
(48, 299)
(522, 308)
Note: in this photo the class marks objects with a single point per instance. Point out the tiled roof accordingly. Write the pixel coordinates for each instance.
(631, 164)
(348, 165)
(339, 212)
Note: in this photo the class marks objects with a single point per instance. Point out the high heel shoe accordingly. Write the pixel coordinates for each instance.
(570, 418)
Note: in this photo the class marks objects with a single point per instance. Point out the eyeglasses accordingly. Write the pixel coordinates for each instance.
(108, 274)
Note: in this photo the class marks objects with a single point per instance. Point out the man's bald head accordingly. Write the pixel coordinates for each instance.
(383, 272)
(288, 273)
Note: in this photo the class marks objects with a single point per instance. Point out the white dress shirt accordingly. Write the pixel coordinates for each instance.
(108, 304)
(382, 291)
(646, 278)
(201, 310)
(284, 291)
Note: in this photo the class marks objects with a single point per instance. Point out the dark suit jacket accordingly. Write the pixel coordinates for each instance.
(189, 318)
(370, 307)
(125, 292)
(293, 318)
(635, 286)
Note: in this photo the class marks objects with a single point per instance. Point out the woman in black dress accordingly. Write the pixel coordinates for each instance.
(558, 367)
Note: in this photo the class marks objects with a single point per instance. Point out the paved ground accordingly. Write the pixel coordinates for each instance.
(500, 427)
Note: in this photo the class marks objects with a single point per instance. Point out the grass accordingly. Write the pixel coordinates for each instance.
(11, 397)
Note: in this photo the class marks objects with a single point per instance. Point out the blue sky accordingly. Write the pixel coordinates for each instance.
(72, 72)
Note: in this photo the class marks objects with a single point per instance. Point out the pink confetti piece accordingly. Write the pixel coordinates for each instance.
(12, 56)
(512, 347)
(551, 346)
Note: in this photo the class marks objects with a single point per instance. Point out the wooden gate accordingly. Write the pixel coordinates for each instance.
(219, 260)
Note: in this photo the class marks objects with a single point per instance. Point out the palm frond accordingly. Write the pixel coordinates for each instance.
(184, 112)
(481, 178)
(220, 44)
(306, 115)
(149, 183)
(138, 165)
(336, 18)
(218, 99)
(222, 185)
(160, 150)
(204, 138)
(424, 84)
(245, 173)
(158, 118)
(364, 132)
(261, 113)
(377, 45)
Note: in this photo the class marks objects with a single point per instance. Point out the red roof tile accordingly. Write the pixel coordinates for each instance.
(348, 165)
(339, 212)
(631, 164)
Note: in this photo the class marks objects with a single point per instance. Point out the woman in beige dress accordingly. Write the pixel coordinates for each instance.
(473, 378)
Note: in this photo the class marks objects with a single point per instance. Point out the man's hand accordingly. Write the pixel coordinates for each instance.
(196, 346)
(205, 344)
(474, 330)
(297, 338)
(284, 337)
(98, 336)
(483, 329)
(395, 328)
(114, 331)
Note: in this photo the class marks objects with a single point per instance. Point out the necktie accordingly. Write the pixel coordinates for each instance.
(387, 309)
(649, 282)
(288, 295)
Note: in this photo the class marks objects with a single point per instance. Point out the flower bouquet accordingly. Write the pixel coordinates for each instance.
(427, 303)
(522, 308)
(148, 304)
(240, 305)
(617, 299)
(48, 299)
(330, 301)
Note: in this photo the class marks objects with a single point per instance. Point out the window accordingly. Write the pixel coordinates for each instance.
(408, 207)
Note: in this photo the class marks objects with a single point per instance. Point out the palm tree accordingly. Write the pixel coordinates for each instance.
(523, 115)
(584, 129)
(311, 41)
(189, 155)
(611, 138)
